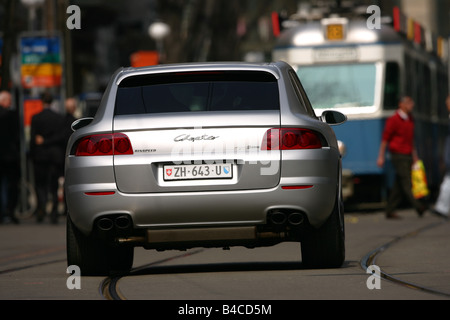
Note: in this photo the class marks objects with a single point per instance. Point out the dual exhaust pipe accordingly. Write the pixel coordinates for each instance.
(121, 222)
(292, 218)
(275, 217)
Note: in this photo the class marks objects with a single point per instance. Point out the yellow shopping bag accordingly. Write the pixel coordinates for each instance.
(419, 180)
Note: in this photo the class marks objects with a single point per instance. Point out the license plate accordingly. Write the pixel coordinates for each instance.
(197, 172)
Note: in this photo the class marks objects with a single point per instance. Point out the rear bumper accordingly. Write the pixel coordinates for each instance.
(200, 209)
(91, 192)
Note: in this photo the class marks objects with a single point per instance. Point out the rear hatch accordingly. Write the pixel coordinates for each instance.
(197, 131)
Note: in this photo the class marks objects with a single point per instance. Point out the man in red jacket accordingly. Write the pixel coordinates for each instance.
(398, 137)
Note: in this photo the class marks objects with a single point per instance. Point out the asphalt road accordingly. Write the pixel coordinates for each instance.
(33, 267)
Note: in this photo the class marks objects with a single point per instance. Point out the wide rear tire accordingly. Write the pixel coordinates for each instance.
(93, 256)
(325, 247)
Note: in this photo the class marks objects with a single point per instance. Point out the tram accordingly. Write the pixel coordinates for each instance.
(347, 66)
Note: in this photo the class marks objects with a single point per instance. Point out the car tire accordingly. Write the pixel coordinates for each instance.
(93, 256)
(325, 247)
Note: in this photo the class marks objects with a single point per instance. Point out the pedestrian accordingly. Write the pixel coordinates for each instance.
(9, 159)
(442, 206)
(398, 138)
(70, 106)
(45, 151)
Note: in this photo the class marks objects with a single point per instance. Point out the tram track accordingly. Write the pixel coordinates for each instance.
(370, 259)
(109, 289)
(37, 255)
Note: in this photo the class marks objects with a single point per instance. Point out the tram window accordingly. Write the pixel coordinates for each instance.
(409, 74)
(422, 88)
(425, 106)
(391, 85)
(339, 86)
(442, 95)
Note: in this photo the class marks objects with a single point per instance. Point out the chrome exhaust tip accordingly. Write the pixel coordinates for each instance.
(105, 224)
(278, 217)
(295, 218)
(122, 222)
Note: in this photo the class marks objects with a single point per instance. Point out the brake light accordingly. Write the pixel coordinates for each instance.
(100, 193)
(291, 139)
(103, 145)
(297, 187)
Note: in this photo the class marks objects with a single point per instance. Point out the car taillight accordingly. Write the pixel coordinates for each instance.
(291, 139)
(103, 145)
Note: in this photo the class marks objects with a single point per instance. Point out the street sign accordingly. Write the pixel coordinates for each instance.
(40, 61)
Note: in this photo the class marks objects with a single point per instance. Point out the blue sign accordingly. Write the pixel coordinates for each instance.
(37, 50)
(42, 45)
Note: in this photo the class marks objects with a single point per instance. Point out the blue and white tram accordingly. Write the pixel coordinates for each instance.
(345, 65)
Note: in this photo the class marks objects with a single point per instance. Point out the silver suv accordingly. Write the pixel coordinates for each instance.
(203, 155)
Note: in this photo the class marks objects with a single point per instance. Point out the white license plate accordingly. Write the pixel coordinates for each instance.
(197, 172)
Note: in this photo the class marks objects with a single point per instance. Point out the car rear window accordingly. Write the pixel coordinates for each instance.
(197, 91)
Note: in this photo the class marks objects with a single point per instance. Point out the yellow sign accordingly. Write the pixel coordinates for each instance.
(43, 69)
(335, 32)
(41, 75)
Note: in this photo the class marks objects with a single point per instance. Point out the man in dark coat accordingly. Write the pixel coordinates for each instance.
(45, 151)
(9, 158)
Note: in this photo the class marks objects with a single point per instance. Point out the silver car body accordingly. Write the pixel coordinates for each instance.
(167, 212)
